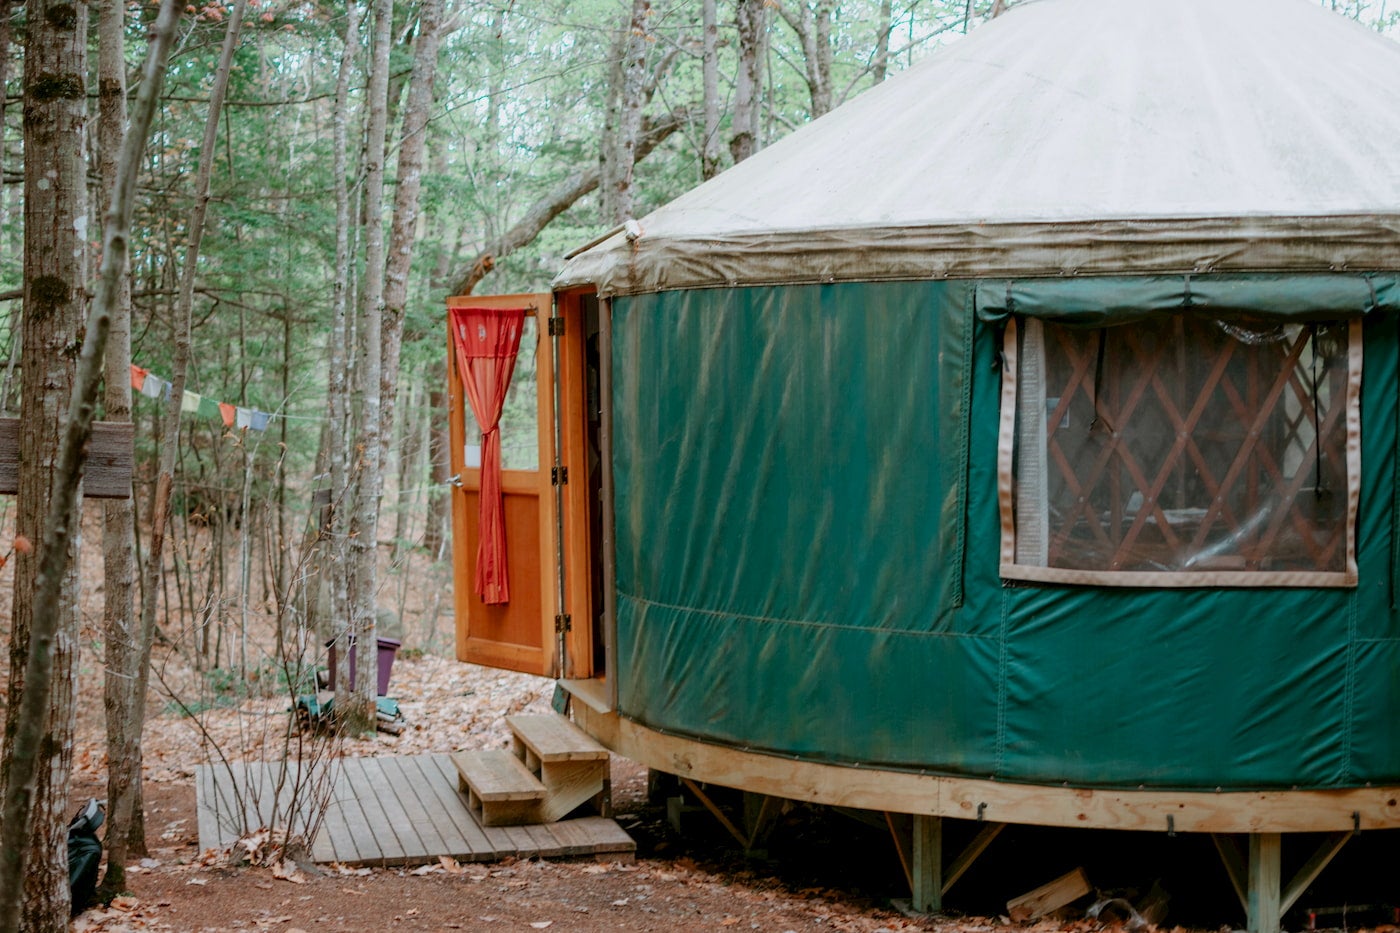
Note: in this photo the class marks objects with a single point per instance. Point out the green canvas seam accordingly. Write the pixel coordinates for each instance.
(1002, 668)
(804, 623)
(964, 451)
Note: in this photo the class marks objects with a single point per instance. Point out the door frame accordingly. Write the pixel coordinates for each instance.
(565, 549)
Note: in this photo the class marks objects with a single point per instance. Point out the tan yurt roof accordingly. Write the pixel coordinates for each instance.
(1064, 137)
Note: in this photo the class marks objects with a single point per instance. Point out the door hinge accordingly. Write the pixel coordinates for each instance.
(563, 623)
(556, 327)
(559, 476)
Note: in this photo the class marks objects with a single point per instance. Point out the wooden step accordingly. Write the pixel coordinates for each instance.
(500, 790)
(573, 768)
(552, 738)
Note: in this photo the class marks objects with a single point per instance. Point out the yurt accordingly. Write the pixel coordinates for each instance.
(1014, 444)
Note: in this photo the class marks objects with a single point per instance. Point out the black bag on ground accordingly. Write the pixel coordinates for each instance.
(84, 855)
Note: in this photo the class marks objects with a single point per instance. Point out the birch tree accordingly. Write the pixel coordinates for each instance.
(120, 625)
(358, 706)
(404, 231)
(750, 20)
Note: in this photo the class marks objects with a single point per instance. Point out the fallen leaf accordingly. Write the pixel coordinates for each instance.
(284, 872)
(543, 924)
(622, 902)
(197, 881)
(125, 903)
(729, 921)
(450, 865)
(426, 870)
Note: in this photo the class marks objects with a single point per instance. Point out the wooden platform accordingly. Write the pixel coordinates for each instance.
(394, 811)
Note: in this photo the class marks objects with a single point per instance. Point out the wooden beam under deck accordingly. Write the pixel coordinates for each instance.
(966, 798)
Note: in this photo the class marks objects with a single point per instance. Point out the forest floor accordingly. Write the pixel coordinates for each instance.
(822, 870)
(675, 883)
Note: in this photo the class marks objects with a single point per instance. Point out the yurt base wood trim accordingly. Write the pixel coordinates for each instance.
(966, 798)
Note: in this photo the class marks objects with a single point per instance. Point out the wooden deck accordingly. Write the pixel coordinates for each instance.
(390, 811)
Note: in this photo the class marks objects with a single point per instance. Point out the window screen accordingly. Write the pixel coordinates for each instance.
(1181, 451)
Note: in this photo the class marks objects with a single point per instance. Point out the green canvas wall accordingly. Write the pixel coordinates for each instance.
(807, 547)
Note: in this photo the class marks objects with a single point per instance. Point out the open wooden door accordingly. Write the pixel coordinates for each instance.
(547, 517)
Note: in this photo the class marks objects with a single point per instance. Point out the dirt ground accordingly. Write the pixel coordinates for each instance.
(822, 870)
(675, 884)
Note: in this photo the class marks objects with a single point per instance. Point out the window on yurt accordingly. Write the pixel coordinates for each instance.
(1181, 451)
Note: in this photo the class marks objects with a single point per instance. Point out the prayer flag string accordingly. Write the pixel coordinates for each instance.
(153, 386)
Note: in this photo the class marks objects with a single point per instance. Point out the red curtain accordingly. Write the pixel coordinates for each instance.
(487, 341)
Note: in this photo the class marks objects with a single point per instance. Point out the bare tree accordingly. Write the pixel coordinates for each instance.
(811, 22)
(710, 149)
(880, 66)
(35, 803)
(341, 353)
(36, 776)
(631, 99)
(555, 202)
(358, 706)
(125, 826)
(750, 18)
(404, 231)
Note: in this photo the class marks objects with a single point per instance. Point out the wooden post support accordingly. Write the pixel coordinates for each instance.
(1265, 882)
(927, 864)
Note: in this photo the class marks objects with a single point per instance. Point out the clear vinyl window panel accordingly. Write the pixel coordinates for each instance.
(520, 432)
(1181, 451)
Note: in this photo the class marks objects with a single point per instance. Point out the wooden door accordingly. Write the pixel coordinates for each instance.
(518, 635)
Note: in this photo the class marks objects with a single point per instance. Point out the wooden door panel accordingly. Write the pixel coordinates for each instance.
(509, 636)
(517, 635)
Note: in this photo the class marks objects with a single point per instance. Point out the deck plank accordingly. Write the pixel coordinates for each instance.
(386, 819)
(388, 811)
(442, 783)
(368, 850)
(422, 817)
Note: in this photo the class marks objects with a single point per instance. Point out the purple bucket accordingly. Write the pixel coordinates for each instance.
(388, 647)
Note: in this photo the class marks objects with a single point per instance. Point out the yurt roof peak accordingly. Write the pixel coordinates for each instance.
(1065, 137)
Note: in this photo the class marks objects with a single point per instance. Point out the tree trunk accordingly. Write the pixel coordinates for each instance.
(126, 832)
(334, 531)
(412, 149)
(750, 18)
(880, 67)
(629, 127)
(439, 450)
(555, 202)
(710, 149)
(812, 26)
(358, 713)
(36, 778)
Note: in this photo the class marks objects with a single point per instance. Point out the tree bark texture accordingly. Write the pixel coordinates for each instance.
(358, 713)
(710, 148)
(413, 147)
(55, 225)
(880, 66)
(811, 23)
(555, 202)
(629, 126)
(334, 549)
(120, 626)
(750, 19)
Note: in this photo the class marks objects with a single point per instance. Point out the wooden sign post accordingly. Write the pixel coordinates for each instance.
(110, 459)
